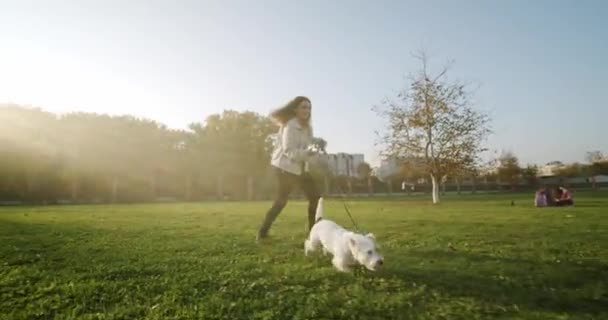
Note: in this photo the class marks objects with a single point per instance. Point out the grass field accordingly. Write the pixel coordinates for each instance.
(475, 257)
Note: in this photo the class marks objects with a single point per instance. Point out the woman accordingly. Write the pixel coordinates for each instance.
(290, 160)
(564, 197)
(540, 199)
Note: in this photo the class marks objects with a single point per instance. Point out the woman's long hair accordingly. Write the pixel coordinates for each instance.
(288, 112)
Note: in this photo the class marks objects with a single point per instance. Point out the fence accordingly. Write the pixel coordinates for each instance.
(257, 187)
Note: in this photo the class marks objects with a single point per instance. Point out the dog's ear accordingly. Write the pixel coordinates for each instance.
(371, 236)
(352, 241)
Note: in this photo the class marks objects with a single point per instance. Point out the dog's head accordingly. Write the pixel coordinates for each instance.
(365, 250)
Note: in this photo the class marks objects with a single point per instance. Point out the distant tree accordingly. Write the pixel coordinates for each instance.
(86, 156)
(529, 173)
(594, 156)
(433, 119)
(319, 145)
(364, 170)
(508, 169)
(570, 170)
(594, 166)
(412, 169)
(235, 147)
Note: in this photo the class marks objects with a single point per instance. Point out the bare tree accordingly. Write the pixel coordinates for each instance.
(319, 145)
(433, 119)
(594, 156)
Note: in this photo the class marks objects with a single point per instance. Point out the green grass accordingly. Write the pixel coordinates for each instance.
(475, 257)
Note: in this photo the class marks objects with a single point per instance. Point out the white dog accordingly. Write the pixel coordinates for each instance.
(348, 248)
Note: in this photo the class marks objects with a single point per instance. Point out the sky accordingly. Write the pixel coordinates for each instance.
(539, 68)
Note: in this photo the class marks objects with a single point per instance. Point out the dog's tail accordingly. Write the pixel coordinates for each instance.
(319, 213)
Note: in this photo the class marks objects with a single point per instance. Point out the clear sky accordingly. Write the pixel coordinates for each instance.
(541, 66)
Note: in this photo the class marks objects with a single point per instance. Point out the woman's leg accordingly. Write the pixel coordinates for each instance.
(286, 181)
(312, 194)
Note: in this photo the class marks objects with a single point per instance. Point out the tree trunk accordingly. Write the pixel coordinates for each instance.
(435, 189)
(31, 185)
(249, 188)
(188, 193)
(370, 186)
(326, 183)
(153, 186)
(220, 187)
(349, 186)
(114, 189)
(473, 185)
(75, 188)
(389, 186)
(457, 180)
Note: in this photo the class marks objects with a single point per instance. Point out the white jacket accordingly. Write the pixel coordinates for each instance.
(291, 149)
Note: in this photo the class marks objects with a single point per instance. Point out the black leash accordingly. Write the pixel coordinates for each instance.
(349, 214)
(346, 208)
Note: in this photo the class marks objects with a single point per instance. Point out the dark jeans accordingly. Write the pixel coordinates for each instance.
(286, 182)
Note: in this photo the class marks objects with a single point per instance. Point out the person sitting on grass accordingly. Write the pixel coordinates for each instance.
(563, 197)
(540, 198)
(544, 198)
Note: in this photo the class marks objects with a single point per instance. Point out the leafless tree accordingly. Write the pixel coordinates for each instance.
(433, 119)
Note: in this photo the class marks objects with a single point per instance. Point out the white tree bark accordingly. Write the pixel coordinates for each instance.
(435, 189)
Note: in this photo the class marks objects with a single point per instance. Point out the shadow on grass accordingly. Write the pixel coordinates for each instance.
(565, 287)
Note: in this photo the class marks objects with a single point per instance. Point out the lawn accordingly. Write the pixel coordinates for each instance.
(474, 257)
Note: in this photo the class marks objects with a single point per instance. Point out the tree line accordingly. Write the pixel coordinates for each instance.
(432, 128)
(508, 170)
(99, 158)
(87, 157)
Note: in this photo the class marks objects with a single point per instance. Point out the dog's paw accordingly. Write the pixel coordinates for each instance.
(344, 269)
(340, 265)
(308, 248)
